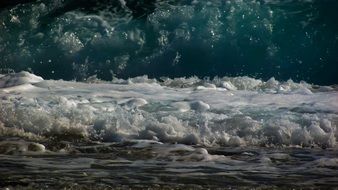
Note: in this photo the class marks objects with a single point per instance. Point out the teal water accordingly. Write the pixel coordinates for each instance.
(70, 39)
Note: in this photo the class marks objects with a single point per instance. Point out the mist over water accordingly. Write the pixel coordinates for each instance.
(262, 38)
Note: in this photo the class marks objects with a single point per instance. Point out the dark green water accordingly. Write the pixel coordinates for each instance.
(70, 39)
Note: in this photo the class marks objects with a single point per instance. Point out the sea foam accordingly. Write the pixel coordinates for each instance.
(239, 111)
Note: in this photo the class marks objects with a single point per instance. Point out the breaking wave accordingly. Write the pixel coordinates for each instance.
(261, 38)
(228, 111)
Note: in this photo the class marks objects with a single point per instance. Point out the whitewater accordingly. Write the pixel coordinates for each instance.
(239, 132)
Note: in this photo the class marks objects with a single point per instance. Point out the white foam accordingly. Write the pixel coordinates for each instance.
(181, 106)
(179, 152)
(228, 85)
(199, 106)
(206, 86)
(17, 79)
(250, 112)
(18, 147)
(135, 102)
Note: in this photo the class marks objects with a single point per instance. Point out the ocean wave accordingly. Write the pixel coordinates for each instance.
(77, 39)
(201, 112)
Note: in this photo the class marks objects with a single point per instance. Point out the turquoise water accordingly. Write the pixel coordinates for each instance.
(261, 38)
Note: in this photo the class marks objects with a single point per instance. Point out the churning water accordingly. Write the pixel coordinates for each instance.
(168, 94)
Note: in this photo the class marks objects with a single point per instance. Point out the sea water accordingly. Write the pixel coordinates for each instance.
(176, 133)
(69, 39)
(168, 94)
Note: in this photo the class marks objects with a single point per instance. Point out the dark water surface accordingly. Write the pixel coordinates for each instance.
(121, 166)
